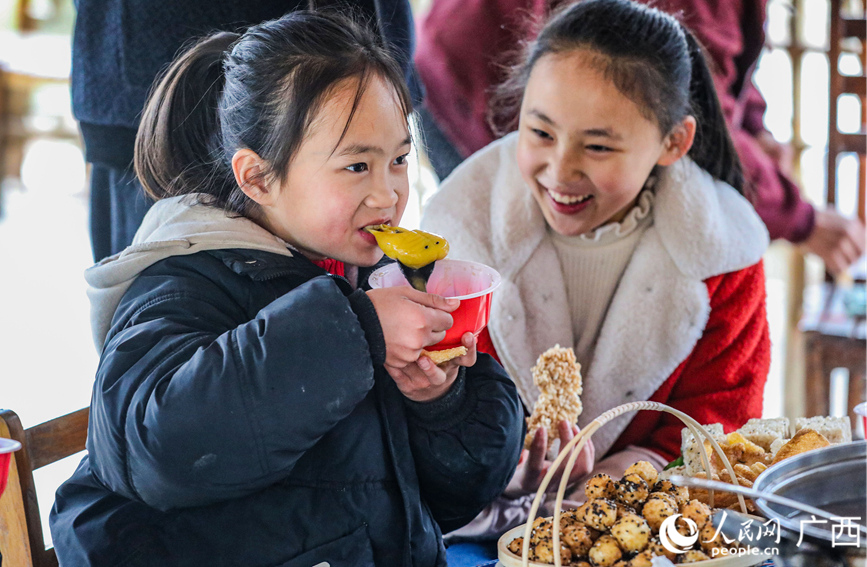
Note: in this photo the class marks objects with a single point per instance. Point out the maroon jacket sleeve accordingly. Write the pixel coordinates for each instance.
(723, 379)
(753, 109)
(732, 33)
(462, 54)
(458, 42)
(776, 197)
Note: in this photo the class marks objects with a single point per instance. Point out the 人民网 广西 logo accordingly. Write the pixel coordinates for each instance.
(674, 541)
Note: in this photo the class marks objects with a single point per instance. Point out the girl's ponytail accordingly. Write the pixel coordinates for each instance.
(178, 140)
(713, 148)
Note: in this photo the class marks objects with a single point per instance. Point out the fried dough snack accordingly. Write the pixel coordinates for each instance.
(749, 460)
(440, 356)
(558, 377)
(803, 441)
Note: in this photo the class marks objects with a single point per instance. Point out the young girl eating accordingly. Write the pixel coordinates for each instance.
(252, 405)
(616, 217)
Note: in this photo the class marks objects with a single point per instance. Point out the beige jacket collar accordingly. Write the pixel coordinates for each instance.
(176, 226)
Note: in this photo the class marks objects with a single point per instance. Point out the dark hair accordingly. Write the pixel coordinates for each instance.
(651, 58)
(259, 91)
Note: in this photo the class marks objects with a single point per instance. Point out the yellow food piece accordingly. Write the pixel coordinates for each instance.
(735, 437)
(803, 441)
(440, 356)
(412, 248)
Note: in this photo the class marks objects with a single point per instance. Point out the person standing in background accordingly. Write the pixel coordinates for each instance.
(462, 48)
(119, 48)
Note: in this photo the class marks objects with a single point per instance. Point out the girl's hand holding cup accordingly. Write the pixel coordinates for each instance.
(464, 313)
(410, 320)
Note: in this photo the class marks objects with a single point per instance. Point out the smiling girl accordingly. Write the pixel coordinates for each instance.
(616, 217)
(251, 408)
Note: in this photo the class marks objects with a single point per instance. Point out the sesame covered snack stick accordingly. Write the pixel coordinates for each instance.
(558, 376)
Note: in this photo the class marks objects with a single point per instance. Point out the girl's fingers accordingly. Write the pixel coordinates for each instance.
(430, 372)
(566, 433)
(399, 376)
(584, 461)
(415, 374)
(433, 300)
(536, 457)
(468, 340)
(435, 337)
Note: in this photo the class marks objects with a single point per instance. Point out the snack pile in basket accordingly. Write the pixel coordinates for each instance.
(754, 447)
(620, 524)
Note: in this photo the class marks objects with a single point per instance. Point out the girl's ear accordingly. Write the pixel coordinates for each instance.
(248, 167)
(678, 142)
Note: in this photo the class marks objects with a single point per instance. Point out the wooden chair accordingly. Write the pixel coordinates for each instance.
(21, 537)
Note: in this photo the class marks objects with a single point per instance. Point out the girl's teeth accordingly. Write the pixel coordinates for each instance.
(568, 199)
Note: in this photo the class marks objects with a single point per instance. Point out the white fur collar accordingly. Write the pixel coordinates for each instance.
(702, 228)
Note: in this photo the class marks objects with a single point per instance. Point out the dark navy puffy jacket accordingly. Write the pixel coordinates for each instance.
(241, 416)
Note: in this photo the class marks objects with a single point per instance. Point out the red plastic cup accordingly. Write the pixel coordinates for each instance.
(861, 409)
(470, 282)
(7, 447)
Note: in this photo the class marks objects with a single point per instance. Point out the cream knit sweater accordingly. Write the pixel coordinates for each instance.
(592, 266)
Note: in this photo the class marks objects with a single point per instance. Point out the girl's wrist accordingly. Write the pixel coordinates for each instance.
(445, 407)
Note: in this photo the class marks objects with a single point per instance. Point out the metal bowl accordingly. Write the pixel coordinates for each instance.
(833, 479)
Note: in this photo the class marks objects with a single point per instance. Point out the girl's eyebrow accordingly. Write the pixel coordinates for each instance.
(596, 132)
(355, 149)
(542, 116)
(603, 133)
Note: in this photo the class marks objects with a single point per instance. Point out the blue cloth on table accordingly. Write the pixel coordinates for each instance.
(472, 554)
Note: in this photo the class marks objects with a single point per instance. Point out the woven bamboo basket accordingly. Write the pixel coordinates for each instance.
(573, 448)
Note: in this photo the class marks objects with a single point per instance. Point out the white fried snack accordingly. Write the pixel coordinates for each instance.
(600, 486)
(440, 356)
(631, 490)
(632, 533)
(645, 470)
(558, 376)
(605, 551)
(657, 509)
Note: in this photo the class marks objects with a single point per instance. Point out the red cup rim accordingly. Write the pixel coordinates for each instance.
(496, 279)
(8, 445)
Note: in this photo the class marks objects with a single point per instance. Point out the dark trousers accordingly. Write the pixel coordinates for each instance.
(117, 206)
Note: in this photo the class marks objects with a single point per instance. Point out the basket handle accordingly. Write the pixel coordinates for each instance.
(580, 440)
